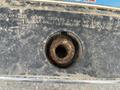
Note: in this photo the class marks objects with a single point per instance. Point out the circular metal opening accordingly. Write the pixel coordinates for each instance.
(62, 49)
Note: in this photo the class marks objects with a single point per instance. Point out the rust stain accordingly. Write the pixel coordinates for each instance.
(62, 51)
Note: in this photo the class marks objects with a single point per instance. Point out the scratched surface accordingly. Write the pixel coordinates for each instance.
(25, 27)
(50, 86)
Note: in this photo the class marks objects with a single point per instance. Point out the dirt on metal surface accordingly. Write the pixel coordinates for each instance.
(25, 27)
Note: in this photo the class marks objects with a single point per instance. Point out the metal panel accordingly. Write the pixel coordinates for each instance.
(25, 28)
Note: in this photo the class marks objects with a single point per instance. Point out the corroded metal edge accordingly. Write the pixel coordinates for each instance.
(59, 79)
(78, 8)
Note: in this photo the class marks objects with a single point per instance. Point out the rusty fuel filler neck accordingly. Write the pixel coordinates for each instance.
(62, 49)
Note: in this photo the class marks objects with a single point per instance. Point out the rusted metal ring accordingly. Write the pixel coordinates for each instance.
(65, 47)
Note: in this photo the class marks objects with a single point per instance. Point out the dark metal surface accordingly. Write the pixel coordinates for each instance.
(26, 27)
